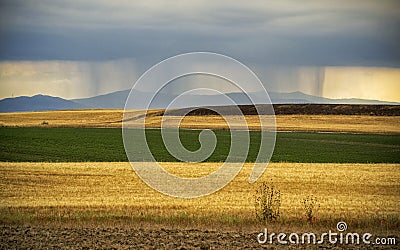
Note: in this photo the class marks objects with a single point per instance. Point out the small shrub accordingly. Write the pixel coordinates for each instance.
(267, 202)
(310, 205)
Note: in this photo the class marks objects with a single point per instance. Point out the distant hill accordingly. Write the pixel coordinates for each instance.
(301, 98)
(117, 100)
(37, 103)
(111, 100)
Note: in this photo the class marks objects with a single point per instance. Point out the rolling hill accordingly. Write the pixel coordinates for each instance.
(117, 100)
(37, 103)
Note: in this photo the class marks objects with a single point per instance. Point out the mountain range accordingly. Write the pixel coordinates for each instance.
(37, 103)
(116, 100)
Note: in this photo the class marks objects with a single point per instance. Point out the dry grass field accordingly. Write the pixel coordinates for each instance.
(364, 195)
(113, 118)
(68, 118)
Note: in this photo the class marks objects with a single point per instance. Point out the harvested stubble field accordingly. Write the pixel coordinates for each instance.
(113, 118)
(361, 194)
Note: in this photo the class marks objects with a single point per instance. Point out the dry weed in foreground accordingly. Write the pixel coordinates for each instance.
(310, 205)
(267, 202)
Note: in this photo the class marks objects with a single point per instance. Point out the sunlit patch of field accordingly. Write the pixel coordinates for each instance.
(67, 118)
(365, 195)
(328, 123)
(90, 118)
(113, 118)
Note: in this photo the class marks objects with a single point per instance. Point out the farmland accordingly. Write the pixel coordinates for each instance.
(105, 145)
(65, 180)
(109, 118)
(87, 204)
(110, 192)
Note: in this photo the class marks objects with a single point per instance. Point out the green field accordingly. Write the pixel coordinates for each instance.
(105, 145)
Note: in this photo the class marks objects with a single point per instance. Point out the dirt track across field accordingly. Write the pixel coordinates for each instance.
(32, 237)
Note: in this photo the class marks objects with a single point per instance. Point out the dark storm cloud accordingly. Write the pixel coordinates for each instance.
(259, 32)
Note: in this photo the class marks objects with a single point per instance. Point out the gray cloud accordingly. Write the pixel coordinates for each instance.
(261, 32)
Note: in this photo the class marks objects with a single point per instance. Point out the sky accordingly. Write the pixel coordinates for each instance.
(74, 49)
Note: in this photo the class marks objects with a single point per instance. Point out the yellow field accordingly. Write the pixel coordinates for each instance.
(70, 118)
(113, 118)
(61, 191)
